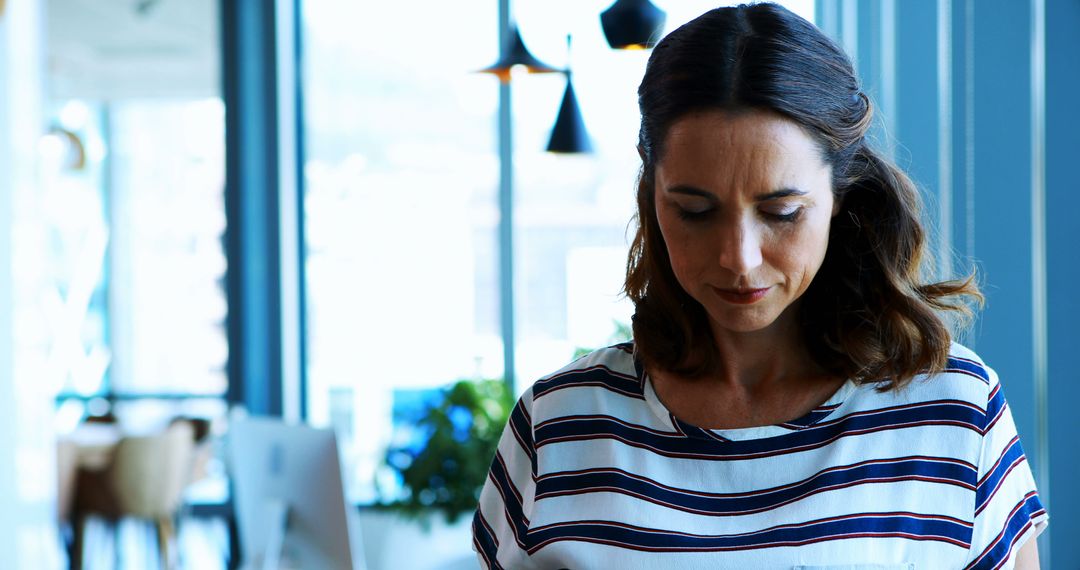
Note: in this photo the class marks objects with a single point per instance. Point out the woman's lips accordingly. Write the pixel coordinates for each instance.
(742, 296)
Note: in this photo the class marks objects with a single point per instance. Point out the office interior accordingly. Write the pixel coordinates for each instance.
(326, 213)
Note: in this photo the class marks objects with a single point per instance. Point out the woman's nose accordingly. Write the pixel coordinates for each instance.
(740, 248)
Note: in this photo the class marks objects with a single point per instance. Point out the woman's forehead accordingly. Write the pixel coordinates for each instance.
(751, 150)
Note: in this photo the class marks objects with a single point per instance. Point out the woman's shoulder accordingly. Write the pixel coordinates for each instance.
(965, 363)
(607, 372)
(965, 378)
(961, 353)
(615, 363)
(616, 357)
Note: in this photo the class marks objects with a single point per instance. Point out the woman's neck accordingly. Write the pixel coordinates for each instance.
(763, 359)
(762, 378)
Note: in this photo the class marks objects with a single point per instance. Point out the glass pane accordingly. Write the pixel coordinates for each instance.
(401, 216)
(136, 86)
(168, 215)
(130, 289)
(68, 342)
(135, 186)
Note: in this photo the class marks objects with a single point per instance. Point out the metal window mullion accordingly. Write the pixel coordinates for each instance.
(289, 163)
(251, 207)
(1040, 329)
(945, 138)
(506, 209)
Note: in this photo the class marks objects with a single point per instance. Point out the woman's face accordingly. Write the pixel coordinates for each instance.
(744, 202)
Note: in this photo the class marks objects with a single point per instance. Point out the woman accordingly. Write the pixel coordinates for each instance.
(792, 397)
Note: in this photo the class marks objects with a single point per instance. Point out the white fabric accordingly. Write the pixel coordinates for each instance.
(594, 472)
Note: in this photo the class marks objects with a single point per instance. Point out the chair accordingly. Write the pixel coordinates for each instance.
(145, 479)
(203, 451)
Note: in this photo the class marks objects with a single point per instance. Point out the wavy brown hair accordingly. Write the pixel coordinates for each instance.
(870, 314)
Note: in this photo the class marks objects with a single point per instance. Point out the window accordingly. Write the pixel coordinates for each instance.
(401, 206)
(168, 218)
(401, 176)
(130, 290)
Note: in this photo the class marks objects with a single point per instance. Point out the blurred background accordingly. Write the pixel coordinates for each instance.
(321, 211)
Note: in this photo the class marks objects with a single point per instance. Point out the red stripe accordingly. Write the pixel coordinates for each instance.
(479, 549)
(510, 480)
(768, 490)
(593, 384)
(1004, 451)
(525, 447)
(1001, 534)
(617, 374)
(853, 516)
(990, 424)
(752, 546)
(814, 540)
(563, 419)
(745, 456)
(649, 499)
(964, 372)
(1001, 483)
(487, 527)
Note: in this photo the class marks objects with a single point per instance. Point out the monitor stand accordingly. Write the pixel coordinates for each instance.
(277, 521)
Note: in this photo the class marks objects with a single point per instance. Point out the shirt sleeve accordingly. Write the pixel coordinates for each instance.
(502, 517)
(1008, 511)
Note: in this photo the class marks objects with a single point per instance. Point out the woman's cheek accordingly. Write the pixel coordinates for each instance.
(683, 263)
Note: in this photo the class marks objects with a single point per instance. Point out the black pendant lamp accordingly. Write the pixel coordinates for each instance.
(569, 135)
(632, 24)
(516, 54)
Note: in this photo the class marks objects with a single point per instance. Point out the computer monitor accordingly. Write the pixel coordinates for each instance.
(289, 499)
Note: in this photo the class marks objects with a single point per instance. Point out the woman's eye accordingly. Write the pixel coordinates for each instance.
(693, 215)
(789, 215)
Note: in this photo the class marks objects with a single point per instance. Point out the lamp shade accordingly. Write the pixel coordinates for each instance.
(569, 134)
(516, 54)
(632, 24)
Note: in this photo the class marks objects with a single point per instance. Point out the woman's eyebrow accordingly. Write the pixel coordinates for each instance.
(694, 191)
(691, 191)
(782, 193)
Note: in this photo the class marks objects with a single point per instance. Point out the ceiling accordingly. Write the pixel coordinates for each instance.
(118, 49)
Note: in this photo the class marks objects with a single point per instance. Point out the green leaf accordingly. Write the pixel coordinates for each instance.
(449, 471)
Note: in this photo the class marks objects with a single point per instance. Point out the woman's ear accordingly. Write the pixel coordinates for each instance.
(641, 153)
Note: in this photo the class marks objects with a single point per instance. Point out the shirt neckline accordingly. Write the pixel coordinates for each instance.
(821, 412)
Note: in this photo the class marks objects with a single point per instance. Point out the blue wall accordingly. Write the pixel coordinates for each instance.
(1063, 276)
(980, 104)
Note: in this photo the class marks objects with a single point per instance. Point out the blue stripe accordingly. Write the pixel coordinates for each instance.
(511, 503)
(813, 531)
(992, 558)
(994, 407)
(677, 445)
(693, 431)
(597, 375)
(992, 481)
(812, 417)
(485, 541)
(522, 427)
(720, 505)
(957, 364)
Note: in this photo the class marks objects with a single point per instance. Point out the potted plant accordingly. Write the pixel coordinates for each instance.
(444, 468)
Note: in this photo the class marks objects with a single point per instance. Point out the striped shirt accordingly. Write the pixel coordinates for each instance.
(592, 471)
